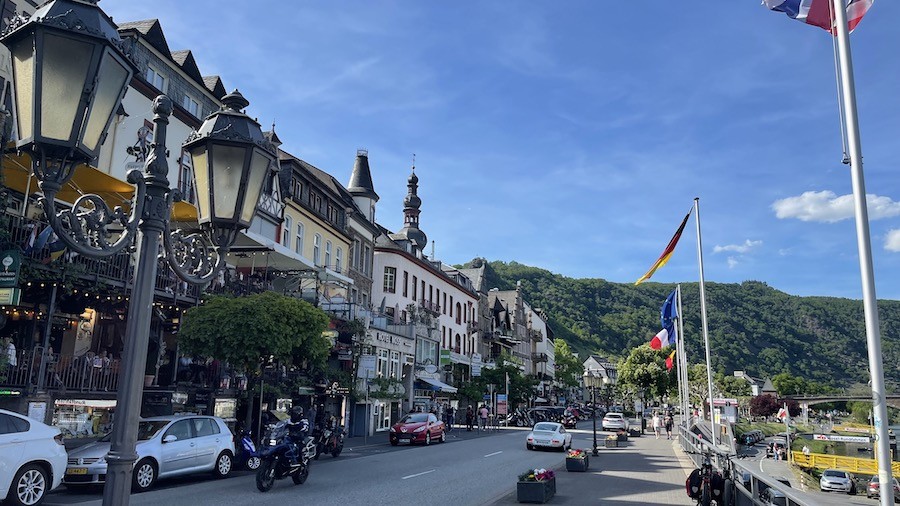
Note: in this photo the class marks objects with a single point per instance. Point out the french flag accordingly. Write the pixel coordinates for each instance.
(663, 338)
(819, 12)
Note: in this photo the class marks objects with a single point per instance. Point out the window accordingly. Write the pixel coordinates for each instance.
(426, 350)
(327, 253)
(458, 311)
(355, 252)
(317, 249)
(415, 287)
(297, 189)
(445, 304)
(156, 79)
(10, 424)
(382, 416)
(332, 214)
(338, 259)
(286, 232)
(390, 279)
(205, 427)
(192, 106)
(383, 363)
(315, 200)
(298, 247)
(186, 177)
(180, 429)
(405, 284)
(367, 258)
(395, 365)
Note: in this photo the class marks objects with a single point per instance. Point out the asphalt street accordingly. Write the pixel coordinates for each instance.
(465, 470)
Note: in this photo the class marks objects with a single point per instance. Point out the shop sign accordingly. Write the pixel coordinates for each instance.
(366, 366)
(10, 261)
(10, 392)
(445, 357)
(391, 339)
(842, 439)
(37, 411)
(10, 296)
(476, 369)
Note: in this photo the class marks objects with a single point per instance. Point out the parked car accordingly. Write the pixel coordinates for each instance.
(167, 446)
(835, 480)
(773, 497)
(751, 437)
(417, 428)
(614, 421)
(874, 488)
(32, 459)
(548, 435)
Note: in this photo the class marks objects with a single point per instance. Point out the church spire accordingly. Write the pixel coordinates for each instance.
(411, 205)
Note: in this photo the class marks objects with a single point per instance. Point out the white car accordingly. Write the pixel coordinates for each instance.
(166, 446)
(548, 435)
(615, 421)
(32, 459)
(834, 480)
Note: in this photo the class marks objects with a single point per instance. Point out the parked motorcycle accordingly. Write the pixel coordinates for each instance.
(330, 441)
(282, 458)
(519, 418)
(246, 452)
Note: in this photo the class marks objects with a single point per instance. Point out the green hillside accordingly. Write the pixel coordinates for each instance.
(752, 327)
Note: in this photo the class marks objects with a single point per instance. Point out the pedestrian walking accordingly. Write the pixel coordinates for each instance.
(669, 422)
(470, 418)
(449, 412)
(805, 451)
(10, 350)
(656, 423)
(483, 417)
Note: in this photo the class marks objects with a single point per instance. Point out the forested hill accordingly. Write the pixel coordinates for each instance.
(752, 327)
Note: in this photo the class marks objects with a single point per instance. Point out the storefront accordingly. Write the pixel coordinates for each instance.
(77, 418)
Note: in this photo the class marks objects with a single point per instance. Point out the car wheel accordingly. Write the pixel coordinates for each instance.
(529, 446)
(144, 475)
(253, 463)
(443, 437)
(393, 442)
(29, 486)
(427, 438)
(224, 463)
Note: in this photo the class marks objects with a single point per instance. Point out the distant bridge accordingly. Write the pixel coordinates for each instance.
(893, 400)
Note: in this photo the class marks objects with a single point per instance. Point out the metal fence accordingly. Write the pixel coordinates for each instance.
(750, 485)
(87, 373)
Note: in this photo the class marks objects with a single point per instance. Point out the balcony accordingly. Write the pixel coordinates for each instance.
(539, 357)
(66, 373)
(472, 327)
(431, 307)
(535, 335)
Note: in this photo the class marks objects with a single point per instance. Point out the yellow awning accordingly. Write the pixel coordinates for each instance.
(115, 192)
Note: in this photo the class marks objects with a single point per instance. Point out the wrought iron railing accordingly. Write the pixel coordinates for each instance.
(86, 373)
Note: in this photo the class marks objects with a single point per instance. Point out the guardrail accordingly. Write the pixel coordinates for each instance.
(749, 483)
(851, 464)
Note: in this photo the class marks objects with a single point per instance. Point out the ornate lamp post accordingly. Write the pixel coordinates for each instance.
(69, 74)
(590, 381)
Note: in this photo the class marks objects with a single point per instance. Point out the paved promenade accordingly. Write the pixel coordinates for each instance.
(645, 470)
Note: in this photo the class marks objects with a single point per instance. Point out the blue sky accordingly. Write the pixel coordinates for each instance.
(574, 135)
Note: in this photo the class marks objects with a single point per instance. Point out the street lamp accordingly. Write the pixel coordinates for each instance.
(590, 381)
(69, 75)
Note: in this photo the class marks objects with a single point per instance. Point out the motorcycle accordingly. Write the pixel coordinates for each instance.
(519, 418)
(246, 452)
(282, 458)
(330, 441)
(569, 421)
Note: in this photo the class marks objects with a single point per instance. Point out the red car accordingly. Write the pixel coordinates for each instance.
(417, 428)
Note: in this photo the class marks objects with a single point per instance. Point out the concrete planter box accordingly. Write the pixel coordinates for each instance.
(622, 437)
(577, 465)
(612, 443)
(535, 491)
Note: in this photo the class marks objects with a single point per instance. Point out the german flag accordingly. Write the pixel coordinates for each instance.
(670, 361)
(667, 252)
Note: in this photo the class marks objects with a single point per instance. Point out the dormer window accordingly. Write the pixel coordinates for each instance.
(192, 106)
(156, 79)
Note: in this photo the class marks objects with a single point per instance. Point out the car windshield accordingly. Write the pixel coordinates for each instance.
(545, 426)
(613, 415)
(146, 431)
(416, 418)
(834, 474)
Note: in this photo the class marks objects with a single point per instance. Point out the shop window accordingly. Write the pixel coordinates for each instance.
(395, 365)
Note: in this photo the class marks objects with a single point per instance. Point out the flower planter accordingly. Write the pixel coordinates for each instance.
(535, 491)
(576, 464)
(612, 443)
(622, 437)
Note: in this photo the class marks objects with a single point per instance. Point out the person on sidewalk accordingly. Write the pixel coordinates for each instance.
(656, 422)
(483, 417)
(669, 422)
(470, 418)
(449, 412)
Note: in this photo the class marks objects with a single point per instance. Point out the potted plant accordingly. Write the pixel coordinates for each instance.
(612, 441)
(536, 486)
(577, 460)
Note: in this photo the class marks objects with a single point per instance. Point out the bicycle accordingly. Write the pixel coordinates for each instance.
(706, 485)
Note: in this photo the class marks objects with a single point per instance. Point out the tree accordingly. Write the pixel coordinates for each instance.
(645, 370)
(764, 405)
(568, 368)
(521, 386)
(732, 386)
(787, 384)
(243, 330)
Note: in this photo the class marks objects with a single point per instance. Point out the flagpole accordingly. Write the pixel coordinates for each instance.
(873, 333)
(712, 416)
(682, 361)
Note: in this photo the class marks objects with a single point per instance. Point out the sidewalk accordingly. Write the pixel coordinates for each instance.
(645, 471)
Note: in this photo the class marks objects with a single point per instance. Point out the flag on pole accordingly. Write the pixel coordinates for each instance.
(670, 361)
(667, 253)
(782, 412)
(818, 12)
(28, 247)
(663, 338)
(56, 247)
(668, 312)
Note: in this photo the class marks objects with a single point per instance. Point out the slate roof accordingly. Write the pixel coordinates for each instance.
(185, 59)
(151, 30)
(214, 84)
(361, 177)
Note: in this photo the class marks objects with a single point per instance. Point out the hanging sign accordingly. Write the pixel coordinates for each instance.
(10, 261)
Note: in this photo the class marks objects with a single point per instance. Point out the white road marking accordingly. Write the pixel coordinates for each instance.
(417, 474)
(492, 454)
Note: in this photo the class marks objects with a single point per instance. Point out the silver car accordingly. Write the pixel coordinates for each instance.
(835, 480)
(615, 421)
(167, 446)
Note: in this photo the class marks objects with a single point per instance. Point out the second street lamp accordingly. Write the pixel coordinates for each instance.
(65, 103)
(590, 381)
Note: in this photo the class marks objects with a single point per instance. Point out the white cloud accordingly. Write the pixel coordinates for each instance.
(784, 251)
(738, 248)
(732, 262)
(892, 242)
(825, 206)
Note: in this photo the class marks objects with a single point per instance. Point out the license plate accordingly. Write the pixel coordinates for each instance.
(405, 438)
(542, 441)
(76, 470)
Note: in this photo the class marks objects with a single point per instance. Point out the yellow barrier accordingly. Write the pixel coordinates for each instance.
(851, 464)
